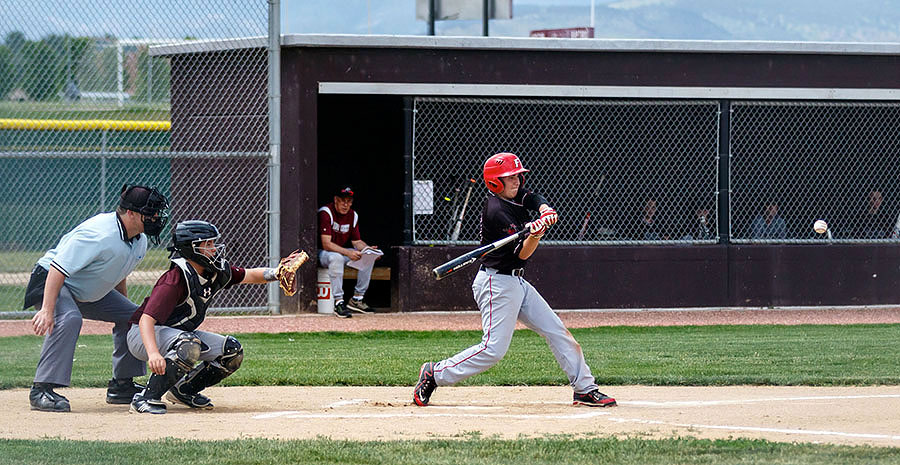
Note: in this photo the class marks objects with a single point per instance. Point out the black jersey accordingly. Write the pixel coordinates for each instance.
(502, 217)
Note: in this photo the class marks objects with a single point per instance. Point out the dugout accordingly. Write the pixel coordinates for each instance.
(718, 125)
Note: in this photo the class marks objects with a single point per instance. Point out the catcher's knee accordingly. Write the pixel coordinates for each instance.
(232, 355)
(185, 351)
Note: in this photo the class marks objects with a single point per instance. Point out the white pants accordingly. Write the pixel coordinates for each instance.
(503, 299)
(335, 263)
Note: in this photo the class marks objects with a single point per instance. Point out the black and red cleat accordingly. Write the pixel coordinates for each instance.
(594, 398)
(425, 386)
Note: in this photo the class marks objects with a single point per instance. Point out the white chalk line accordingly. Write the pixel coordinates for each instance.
(703, 403)
(302, 415)
(594, 413)
(892, 437)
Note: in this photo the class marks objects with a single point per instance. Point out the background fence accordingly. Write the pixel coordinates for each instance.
(85, 107)
(617, 171)
(647, 172)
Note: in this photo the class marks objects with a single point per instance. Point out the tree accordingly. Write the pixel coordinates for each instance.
(44, 74)
(7, 77)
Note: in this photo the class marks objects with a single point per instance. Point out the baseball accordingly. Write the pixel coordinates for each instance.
(820, 226)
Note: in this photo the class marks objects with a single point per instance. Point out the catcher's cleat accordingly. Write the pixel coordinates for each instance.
(357, 305)
(43, 398)
(143, 405)
(594, 398)
(341, 310)
(198, 401)
(121, 391)
(425, 386)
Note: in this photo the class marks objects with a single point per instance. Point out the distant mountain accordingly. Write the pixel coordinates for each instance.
(779, 20)
(790, 20)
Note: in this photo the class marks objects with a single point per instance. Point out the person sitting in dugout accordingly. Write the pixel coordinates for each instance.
(164, 328)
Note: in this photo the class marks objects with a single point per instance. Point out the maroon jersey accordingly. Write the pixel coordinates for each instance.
(172, 292)
(342, 228)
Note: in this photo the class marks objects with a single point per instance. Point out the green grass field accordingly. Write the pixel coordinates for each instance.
(819, 355)
(23, 261)
(85, 110)
(467, 450)
(688, 355)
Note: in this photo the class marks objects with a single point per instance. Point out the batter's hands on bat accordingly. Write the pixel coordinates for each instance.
(548, 215)
(157, 363)
(537, 228)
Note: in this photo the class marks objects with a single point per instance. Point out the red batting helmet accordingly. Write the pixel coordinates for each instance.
(498, 166)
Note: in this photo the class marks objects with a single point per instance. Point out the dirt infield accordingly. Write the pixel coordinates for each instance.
(839, 415)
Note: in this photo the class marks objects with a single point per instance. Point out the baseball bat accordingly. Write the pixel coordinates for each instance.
(469, 258)
(455, 235)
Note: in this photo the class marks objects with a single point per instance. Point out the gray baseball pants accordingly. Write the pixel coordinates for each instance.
(58, 351)
(502, 300)
(335, 263)
(167, 335)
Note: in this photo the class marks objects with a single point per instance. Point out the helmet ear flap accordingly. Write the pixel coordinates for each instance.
(493, 185)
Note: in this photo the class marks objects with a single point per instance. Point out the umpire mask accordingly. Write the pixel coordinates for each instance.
(151, 204)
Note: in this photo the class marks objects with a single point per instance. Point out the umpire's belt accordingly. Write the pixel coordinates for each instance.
(513, 272)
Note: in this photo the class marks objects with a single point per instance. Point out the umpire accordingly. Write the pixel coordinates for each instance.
(84, 277)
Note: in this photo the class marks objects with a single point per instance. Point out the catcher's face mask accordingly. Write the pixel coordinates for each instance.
(213, 253)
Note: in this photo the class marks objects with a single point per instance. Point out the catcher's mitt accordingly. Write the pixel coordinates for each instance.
(287, 271)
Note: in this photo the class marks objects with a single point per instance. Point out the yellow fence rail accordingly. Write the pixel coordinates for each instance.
(83, 125)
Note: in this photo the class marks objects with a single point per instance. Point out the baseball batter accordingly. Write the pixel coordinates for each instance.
(503, 295)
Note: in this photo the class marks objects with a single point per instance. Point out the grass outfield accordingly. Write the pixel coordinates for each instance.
(12, 297)
(23, 261)
(817, 355)
(471, 450)
(85, 110)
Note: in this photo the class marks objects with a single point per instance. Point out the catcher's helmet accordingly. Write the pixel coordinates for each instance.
(498, 166)
(186, 239)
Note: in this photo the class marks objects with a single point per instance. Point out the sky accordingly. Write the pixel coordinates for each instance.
(793, 20)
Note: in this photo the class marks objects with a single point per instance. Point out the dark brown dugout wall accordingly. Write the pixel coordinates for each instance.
(321, 121)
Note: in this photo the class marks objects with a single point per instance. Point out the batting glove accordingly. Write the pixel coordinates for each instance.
(549, 216)
(537, 228)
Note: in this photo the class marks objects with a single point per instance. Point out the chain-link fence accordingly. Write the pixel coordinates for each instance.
(87, 107)
(618, 172)
(797, 162)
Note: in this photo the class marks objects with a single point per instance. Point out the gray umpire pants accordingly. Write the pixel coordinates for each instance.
(503, 299)
(58, 351)
(335, 263)
(167, 335)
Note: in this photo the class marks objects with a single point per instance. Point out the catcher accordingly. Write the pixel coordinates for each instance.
(164, 328)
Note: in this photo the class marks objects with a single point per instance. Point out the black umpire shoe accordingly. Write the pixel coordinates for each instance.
(594, 398)
(143, 405)
(425, 386)
(122, 391)
(43, 398)
(341, 310)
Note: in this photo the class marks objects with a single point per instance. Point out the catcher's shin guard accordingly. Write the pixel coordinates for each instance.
(157, 385)
(206, 374)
